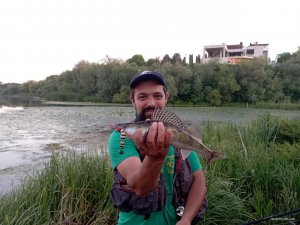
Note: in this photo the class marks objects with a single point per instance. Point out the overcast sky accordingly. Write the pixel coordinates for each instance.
(39, 38)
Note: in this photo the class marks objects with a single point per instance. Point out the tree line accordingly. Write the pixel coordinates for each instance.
(251, 81)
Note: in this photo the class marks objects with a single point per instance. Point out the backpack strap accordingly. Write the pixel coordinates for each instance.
(182, 183)
(178, 195)
(178, 160)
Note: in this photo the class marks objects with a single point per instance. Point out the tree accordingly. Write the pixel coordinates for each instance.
(251, 76)
(250, 81)
(283, 57)
(30, 87)
(112, 77)
(11, 89)
(183, 80)
(184, 61)
(227, 86)
(137, 59)
(152, 61)
(50, 85)
(214, 97)
(65, 82)
(85, 78)
(191, 59)
(176, 58)
(197, 94)
(289, 76)
(166, 59)
(198, 59)
(123, 95)
(274, 91)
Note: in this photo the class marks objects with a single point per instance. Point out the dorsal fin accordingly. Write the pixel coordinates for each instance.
(189, 127)
(167, 116)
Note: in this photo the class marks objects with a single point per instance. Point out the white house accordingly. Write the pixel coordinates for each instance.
(234, 53)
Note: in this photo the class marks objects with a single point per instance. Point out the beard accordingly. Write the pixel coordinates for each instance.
(146, 113)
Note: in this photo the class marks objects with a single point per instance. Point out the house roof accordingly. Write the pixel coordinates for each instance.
(256, 44)
(236, 46)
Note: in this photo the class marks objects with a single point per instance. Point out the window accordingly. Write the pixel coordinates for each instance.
(250, 51)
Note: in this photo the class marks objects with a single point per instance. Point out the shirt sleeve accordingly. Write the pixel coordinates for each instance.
(194, 162)
(114, 148)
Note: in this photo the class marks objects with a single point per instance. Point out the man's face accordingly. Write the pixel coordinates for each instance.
(148, 95)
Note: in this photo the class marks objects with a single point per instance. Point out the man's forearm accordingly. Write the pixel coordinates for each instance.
(145, 178)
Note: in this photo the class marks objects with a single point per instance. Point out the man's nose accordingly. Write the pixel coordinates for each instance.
(151, 101)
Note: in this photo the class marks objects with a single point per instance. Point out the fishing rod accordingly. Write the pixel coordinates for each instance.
(272, 216)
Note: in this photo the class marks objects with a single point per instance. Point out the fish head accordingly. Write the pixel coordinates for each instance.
(131, 128)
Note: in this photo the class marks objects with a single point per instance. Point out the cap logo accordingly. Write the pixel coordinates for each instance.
(145, 72)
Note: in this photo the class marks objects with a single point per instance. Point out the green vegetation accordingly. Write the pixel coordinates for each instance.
(254, 81)
(72, 189)
(262, 164)
(259, 177)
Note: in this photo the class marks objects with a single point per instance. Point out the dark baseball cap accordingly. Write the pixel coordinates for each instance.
(147, 75)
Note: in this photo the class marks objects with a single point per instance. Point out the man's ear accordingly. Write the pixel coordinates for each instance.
(167, 97)
(132, 100)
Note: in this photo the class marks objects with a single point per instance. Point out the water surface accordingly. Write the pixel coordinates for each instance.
(29, 135)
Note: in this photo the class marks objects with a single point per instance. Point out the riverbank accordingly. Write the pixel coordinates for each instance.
(260, 105)
(29, 100)
(260, 177)
(60, 103)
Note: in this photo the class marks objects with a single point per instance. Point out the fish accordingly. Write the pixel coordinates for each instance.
(185, 136)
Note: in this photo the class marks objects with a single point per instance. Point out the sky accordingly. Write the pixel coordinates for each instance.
(39, 38)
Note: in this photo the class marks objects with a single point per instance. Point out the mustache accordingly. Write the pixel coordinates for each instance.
(142, 116)
(149, 108)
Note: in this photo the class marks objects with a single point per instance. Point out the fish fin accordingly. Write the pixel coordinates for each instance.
(190, 128)
(167, 117)
(214, 156)
(185, 153)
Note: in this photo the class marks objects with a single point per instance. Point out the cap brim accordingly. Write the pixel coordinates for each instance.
(146, 77)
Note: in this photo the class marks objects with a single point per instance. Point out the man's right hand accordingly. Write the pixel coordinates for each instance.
(142, 177)
(157, 142)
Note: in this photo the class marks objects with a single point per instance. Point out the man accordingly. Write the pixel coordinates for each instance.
(143, 174)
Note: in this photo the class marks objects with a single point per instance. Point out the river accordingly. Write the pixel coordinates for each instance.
(29, 135)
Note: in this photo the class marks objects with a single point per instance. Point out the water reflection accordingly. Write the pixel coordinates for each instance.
(19, 100)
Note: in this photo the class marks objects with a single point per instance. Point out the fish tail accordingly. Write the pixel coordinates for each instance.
(214, 156)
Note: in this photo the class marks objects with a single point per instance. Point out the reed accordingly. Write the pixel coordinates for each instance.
(262, 162)
(72, 189)
(259, 177)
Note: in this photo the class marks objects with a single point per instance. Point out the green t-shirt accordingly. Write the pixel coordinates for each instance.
(167, 216)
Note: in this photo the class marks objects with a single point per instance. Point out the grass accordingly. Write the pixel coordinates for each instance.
(262, 163)
(72, 189)
(259, 177)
